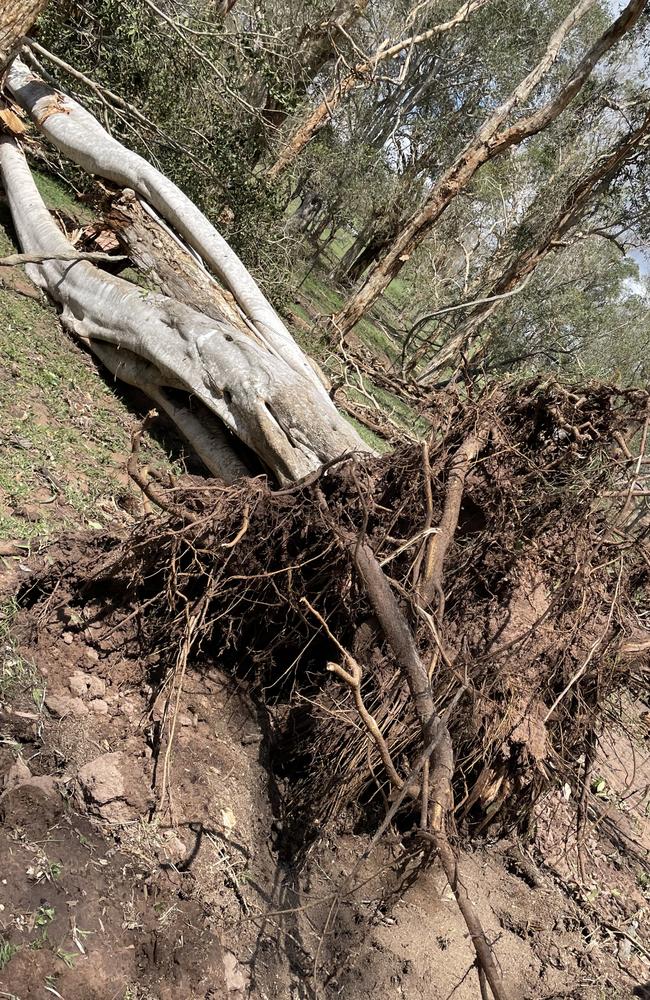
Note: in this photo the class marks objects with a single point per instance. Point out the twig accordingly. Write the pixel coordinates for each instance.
(438, 546)
(482, 947)
(179, 675)
(581, 818)
(387, 820)
(353, 680)
(14, 259)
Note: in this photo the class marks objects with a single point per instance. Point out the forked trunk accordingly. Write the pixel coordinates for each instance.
(224, 383)
(79, 136)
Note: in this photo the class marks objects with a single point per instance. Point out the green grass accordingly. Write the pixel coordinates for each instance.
(17, 675)
(372, 439)
(60, 198)
(7, 952)
(326, 300)
(64, 431)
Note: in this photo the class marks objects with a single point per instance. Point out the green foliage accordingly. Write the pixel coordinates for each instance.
(222, 98)
(7, 952)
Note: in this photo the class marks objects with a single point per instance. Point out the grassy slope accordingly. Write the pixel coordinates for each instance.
(321, 298)
(64, 432)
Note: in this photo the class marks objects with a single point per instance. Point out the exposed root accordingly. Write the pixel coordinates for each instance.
(541, 597)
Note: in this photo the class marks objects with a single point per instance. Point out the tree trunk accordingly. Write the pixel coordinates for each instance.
(79, 136)
(361, 76)
(16, 18)
(160, 344)
(340, 272)
(316, 47)
(370, 253)
(490, 141)
(549, 240)
(167, 263)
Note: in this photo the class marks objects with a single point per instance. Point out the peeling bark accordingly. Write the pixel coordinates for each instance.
(167, 263)
(155, 249)
(157, 343)
(16, 18)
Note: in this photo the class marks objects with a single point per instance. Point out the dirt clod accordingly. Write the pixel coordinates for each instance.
(62, 705)
(114, 787)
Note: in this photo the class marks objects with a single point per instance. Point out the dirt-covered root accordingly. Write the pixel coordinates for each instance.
(542, 582)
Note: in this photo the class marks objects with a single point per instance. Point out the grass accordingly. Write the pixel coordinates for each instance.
(376, 443)
(59, 198)
(68, 958)
(326, 299)
(64, 431)
(17, 675)
(7, 952)
(323, 298)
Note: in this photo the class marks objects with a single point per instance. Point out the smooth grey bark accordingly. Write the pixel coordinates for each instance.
(157, 343)
(79, 136)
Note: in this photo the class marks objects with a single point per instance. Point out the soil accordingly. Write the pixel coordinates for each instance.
(118, 883)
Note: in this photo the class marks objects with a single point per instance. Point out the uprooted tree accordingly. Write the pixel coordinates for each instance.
(257, 384)
(446, 560)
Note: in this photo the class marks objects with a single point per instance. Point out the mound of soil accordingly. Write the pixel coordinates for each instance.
(108, 892)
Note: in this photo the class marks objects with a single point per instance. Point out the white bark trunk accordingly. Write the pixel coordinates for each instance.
(156, 342)
(79, 136)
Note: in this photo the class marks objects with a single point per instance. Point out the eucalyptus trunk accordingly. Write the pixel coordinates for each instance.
(217, 380)
(551, 237)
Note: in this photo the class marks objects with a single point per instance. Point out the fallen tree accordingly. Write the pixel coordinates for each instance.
(297, 576)
(315, 597)
(79, 136)
(281, 412)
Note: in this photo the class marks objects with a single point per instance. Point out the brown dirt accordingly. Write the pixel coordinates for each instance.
(105, 896)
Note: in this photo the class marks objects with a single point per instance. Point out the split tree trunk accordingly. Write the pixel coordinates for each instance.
(79, 136)
(159, 344)
(490, 141)
(549, 240)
